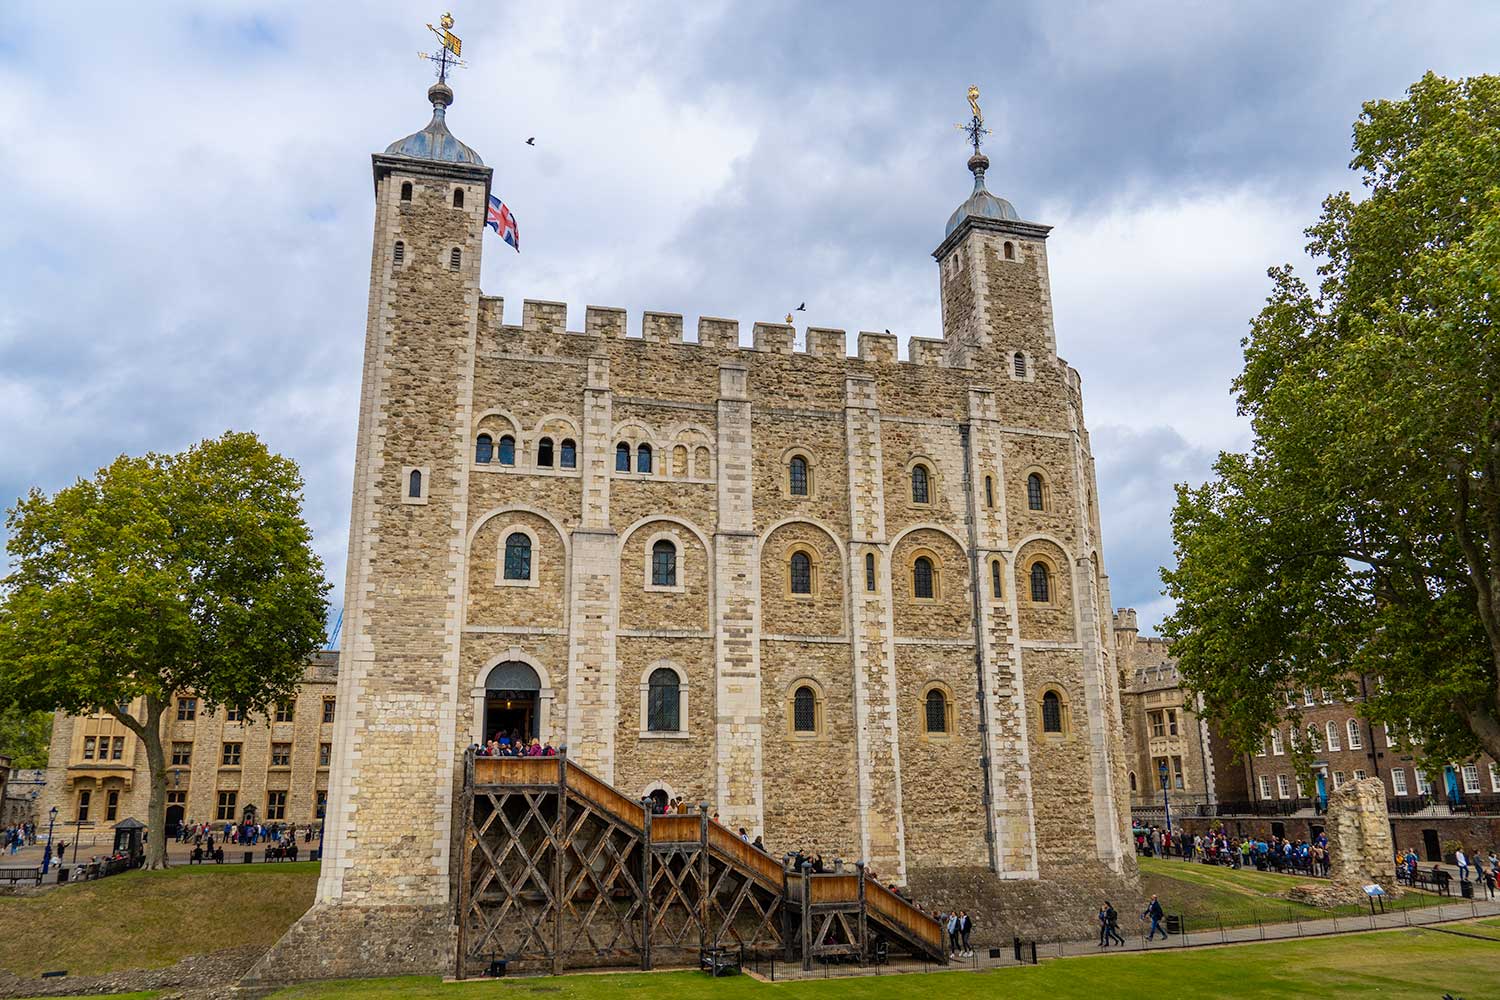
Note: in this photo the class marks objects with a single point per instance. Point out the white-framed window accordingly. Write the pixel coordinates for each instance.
(1265, 787)
(1276, 745)
(1356, 741)
(1398, 781)
(1291, 700)
(1327, 697)
(1338, 779)
(1308, 698)
(1390, 737)
(1471, 779)
(1359, 774)
(1262, 751)
(1424, 787)
(1335, 739)
(1283, 786)
(1494, 777)
(1292, 737)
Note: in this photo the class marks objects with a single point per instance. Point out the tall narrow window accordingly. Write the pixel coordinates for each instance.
(398, 255)
(414, 483)
(870, 572)
(406, 190)
(455, 259)
(458, 197)
(1335, 741)
(83, 806)
(1010, 251)
(112, 805)
(622, 457)
(937, 711)
(989, 491)
(544, 453)
(663, 701)
(1051, 713)
(507, 450)
(996, 591)
(801, 573)
(517, 557)
(569, 457)
(664, 565)
(1041, 586)
(1356, 739)
(1034, 491)
(921, 577)
(1020, 365)
(643, 458)
(484, 449)
(805, 710)
(920, 483)
(797, 476)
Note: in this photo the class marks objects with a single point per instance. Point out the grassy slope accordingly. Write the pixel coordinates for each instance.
(151, 919)
(1206, 895)
(1395, 965)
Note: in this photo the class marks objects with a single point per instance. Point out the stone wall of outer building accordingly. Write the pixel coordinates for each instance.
(217, 766)
(943, 606)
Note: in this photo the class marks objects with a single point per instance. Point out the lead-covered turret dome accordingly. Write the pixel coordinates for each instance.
(435, 142)
(981, 204)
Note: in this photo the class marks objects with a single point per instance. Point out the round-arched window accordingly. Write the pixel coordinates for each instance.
(414, 484)
(484, 449)
(937, 711)
(920, 484)
(544, 453)
(518, 557)
(663, 564)
(507, 450)
(922, 578)
(804, 710)
(569, 454)
(797, 476)
(622, 457)
(801, 571)
(663, 701)
(1034, 495)
(1041, 585)
(1051, 713)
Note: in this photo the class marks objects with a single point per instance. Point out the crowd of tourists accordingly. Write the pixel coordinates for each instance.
(513, 744)
(19, 836)
(1219, 847)
(1484, 868)
(243, 834)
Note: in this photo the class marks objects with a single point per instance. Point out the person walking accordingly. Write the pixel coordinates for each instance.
(965, 928)
(1155, 912)
(1103, 928)
(1112, 924)
(1463, 863)
(953, 935)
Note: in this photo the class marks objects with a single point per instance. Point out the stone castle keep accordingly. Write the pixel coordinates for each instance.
(856, 604)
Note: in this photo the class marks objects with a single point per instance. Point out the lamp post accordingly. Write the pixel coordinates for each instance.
(1165, 803)
(47, 856)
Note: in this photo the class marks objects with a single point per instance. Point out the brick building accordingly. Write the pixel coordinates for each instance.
(1262, 792)
(857, 604)
(220, 767)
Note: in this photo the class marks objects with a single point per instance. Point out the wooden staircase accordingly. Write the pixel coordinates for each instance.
(560, 870)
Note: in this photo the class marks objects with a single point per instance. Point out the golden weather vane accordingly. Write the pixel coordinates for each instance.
(974, 127)
(452, 47)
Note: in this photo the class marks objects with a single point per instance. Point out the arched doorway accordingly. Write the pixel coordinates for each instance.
(511, 693)
(659, 799)
(174, 820)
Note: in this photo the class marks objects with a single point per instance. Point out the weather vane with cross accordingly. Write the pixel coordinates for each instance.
(447, 56)
(974, 127)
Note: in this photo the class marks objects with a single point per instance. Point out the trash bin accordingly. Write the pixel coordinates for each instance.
(1174, 923)
(249, 857)
(62, 874)
(1466, 889)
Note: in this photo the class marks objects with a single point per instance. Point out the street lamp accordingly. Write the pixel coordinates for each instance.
(47, 857)
(1165, 804)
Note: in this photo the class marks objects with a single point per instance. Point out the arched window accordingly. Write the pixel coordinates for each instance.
(801, 569)
(455, 259)
(1051, 713)
(937, 711)
(1132, 781)
(1010, 250)
(663, 701)
(544, 453)
(458, 197)
(870, 572)
(517, 557)
(643, 458)
(507, 450)
(398, 254)
(406, 190)
(663, 564)
(920, 484)
(569, 454)
(922, 577)
(996, 590)
(622, 457)
(414, 483)
(1335, 741)
(1041, 586)
(1356, 739)
(1020, 364)
(1034, 495)
(797, 476)
(989, 491)
(804, 710)
(484, 449)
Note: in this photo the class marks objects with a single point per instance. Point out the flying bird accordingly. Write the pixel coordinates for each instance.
(802, 307)
(531, 141)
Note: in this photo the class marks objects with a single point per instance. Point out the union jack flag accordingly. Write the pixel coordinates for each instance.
(502, 222)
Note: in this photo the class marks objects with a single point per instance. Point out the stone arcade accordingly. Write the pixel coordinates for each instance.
(857, 604)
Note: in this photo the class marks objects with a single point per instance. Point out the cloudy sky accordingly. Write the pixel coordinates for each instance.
(184, 239)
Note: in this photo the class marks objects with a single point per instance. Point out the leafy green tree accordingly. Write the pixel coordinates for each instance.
(24, 736)
(1360, 535)
(190, 573)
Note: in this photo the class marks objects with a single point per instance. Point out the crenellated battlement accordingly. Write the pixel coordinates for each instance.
(714, 333)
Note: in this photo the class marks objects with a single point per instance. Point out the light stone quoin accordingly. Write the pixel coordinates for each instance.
(687, 440)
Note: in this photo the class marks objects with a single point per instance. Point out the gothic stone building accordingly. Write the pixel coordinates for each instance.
(857, 604)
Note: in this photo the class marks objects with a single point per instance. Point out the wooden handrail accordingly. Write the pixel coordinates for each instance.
(833, 889)
(904, 915)
(761, 864)
(617, 804)
(515, 770)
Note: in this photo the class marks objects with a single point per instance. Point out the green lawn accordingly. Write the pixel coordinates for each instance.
(142, 920)
(1208, 895)
(1393, 965)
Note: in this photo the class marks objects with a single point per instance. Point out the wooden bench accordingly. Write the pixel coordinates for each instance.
(14, 875)
(1435, 880)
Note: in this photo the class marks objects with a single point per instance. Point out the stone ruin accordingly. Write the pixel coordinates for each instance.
(1360, 849)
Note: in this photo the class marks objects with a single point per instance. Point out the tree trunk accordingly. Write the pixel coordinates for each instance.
(149, 732)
